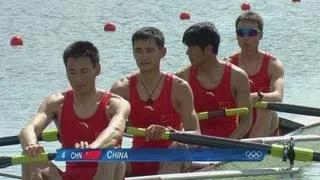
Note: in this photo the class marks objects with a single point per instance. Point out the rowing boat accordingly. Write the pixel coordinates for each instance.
(297, 130)
(270, 167)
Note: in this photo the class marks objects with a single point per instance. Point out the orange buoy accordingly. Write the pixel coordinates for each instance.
(110, 27)
(184, 15)
(16, 41)
(245, 6)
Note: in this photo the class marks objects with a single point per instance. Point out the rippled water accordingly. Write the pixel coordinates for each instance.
(35, 70)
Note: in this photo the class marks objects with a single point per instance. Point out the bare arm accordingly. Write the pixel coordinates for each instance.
(276, 73)
(240, 84)
(187, 112)
(264, 117)
(28, 135)
(185, 105)
(117, 111)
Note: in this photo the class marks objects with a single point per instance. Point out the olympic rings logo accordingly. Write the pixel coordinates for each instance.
(254, 154)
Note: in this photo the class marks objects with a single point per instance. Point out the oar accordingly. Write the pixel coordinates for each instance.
(6, 161)
(301, 154)
(47, 135)
(288, 108)
(224, 112)
(13, 176)
(52, 135)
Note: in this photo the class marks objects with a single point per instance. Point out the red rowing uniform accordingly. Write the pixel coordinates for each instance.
(214, 99)
(162, 113)
(74, 129)
(258, 82)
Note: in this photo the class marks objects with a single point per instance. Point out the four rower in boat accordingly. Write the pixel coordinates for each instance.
(159, 102)
(162, 101)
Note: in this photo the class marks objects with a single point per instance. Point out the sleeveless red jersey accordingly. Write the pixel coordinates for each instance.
(214, 99)
(258, 82)
(74, 129)
(163, 113)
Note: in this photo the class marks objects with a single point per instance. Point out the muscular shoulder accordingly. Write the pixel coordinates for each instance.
(275, 64)
(121, 87)
(180, 86)
(238, 74)
(56, 99)
(117, 104)
(184, 73)
(51, 105)
(115, 99)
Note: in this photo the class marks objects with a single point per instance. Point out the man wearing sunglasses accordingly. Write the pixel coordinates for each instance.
(215, 84)
(264, 70)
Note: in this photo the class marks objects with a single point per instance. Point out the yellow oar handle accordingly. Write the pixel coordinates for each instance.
(225, 112)
(203, 116)
(236, 111)
(260, 105)
(50, 135)
(28, 160)
(142, 132)
(301, 154)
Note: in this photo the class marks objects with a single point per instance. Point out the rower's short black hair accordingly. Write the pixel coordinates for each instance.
(250, 16)
(82, 49)
(147, 33)
(202, 34)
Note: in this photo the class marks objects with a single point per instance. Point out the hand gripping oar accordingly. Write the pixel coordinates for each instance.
(52, 135)
(288, 108)
(276, 150)
(300, 154)
(48, 135)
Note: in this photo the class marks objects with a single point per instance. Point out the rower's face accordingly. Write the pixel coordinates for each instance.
(196, 55)
(251, 35)
(148, 54)
(81, 73)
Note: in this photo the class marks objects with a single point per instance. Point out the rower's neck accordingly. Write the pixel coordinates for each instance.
(85, 97)
(208, 66)
(149, 77)
(250, 55)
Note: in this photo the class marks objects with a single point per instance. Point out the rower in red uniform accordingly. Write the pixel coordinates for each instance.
(160, 101)
(264, 70)
(215, 84)
(85, 116)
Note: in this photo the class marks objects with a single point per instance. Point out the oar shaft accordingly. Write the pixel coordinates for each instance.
(48, 136)
(13, 140)
(200, 140)
(53, 135)
(10, 140)
(302, 154)
(316, 156)
(288, 108)
(215, 142)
